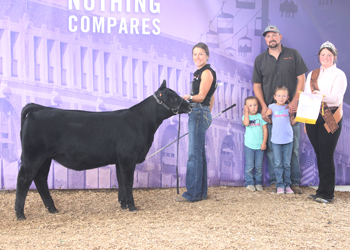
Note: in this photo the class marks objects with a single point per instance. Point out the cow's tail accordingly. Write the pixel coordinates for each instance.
(27, 110)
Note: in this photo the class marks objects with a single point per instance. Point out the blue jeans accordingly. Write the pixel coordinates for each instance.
(253, 158)
(282, 154)
(295, 173)
(196, 174)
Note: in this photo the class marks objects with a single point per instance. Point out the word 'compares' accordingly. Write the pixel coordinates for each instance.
(104, 24)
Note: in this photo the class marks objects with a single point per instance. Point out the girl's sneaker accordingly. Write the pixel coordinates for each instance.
(289, 190)
(259, 188)
(280, 190)
(251, 188)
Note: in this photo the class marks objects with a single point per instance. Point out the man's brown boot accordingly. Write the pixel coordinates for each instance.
(296, 189)
(272, 188)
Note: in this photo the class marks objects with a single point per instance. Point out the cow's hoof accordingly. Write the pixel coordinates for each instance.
(53, 211)
(21, 217)
(132, 209)
(123, 206)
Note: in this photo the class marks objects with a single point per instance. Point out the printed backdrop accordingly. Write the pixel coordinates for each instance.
(111, 54)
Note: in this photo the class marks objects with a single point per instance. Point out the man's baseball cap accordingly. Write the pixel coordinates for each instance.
(271, 28)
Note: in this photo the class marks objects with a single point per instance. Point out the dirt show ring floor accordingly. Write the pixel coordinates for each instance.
(232, 218)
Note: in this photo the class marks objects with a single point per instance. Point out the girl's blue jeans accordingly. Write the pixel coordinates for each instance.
(253, 166)
(282, 155)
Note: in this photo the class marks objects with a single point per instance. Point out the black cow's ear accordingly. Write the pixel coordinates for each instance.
(163, 84)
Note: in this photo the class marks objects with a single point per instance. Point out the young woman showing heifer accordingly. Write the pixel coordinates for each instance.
(202, 100)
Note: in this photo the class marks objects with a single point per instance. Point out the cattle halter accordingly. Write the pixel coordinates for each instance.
(175, 111)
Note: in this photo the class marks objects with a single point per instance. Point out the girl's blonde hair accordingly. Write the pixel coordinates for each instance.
(251, 98)
(282, 88)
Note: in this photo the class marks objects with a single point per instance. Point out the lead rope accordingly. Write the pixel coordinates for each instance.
(186, 134)
(177, 156)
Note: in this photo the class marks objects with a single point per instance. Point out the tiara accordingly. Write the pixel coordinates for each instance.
(328, 45)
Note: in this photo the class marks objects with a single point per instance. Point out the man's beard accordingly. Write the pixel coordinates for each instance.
(273, 46)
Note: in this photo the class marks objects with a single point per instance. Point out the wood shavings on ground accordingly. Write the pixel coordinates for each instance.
(232, 218)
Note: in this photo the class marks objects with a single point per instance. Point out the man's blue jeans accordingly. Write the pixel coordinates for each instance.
(196, 174)
(295, 173)
(282, 154)
(253, 162)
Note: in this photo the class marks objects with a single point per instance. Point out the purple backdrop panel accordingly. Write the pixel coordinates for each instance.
(70, 55)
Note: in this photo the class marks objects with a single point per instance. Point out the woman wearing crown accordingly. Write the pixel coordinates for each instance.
(331, 82)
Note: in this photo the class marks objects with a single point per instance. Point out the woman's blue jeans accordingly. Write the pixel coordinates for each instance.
(253, 162)
(196, 174)
(282, 155)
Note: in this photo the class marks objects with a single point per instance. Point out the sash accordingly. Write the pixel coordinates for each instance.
(331, 120)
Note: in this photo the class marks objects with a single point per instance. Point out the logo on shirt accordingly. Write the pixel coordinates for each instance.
(288, 58)
(255, 122)
(281, 113)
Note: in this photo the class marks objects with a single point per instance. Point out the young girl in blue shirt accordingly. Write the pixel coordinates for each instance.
(255, 139)
(282, 139)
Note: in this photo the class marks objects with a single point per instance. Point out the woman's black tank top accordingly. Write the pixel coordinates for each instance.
(197, 80)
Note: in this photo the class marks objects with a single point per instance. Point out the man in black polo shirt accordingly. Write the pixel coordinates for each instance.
(279, 66)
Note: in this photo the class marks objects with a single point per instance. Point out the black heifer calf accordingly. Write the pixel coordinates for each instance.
(83, 140)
